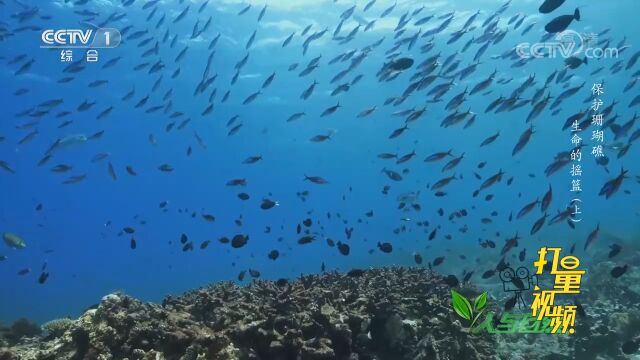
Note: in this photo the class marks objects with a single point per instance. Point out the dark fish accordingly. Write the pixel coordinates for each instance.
(400, 64)
(438, 156)
(392, 174)
(398, 132)
(43, 277)
(343, 248)
(618, 271)
(243, 196)
(517, 282)
(330, 110)
(385, 247)
(437, 261)
(561, 23)
(24, 272)
(490, 139)
(538, 224)
(268, 204)
(546, 200)
(550, 5)
(205, 244)
(467, 277)
(522, 254)
(613, 185)
(510, 244)
(307, 239)
(417, 258)
(489, 273)
(615, 250)
(133, 244)
(527, 209)
(523, 141)
(510, 304)
(273, 254)
(316, 179)
(452, 281)
(592, 237)
(241, 275)
(239, 241)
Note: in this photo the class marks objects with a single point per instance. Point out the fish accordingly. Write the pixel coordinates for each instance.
(593, 236)
(268, 204)
(618, 271)
(307, 239)
(538, 224)
(330, 110)
(385, 247)
(14, 241)
(488, 274)
(509, 244)
(614, 250)
(6, 167)
(451, 280)
(549, 6)
(510, 304)
(392, 174)
(561, 23)
(438, 156)
(438, 261)
(239, 241)
(316, 180)
(24, 272)
(546, 199)
(43, 277)
(527, 209)
(612, 186)
(343, 248)
(490, 139)
(398, 132)
(523, 141)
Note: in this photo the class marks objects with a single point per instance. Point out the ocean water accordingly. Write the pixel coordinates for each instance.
(78, 232)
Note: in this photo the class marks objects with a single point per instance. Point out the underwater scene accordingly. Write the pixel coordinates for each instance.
(319, 179)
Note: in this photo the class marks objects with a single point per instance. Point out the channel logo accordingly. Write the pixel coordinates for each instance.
(77, 38)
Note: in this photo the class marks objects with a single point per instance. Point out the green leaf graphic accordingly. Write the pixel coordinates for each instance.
(461, 305)
(475, 319)
(480, 302)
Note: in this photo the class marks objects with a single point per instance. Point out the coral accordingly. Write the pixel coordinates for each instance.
(56, 328)
(21, 328)
(389, 313)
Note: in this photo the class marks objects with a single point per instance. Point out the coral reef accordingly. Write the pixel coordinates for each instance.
(390, 313)
(56, 328)
(378, 314)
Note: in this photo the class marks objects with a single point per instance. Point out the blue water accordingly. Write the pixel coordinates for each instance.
(87, 259)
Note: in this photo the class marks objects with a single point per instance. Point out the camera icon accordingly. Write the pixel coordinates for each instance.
(518, 280)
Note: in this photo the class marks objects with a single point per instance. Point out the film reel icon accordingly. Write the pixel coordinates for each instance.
(508, 274)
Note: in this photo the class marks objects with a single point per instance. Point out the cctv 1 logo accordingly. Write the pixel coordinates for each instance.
(76, 38)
